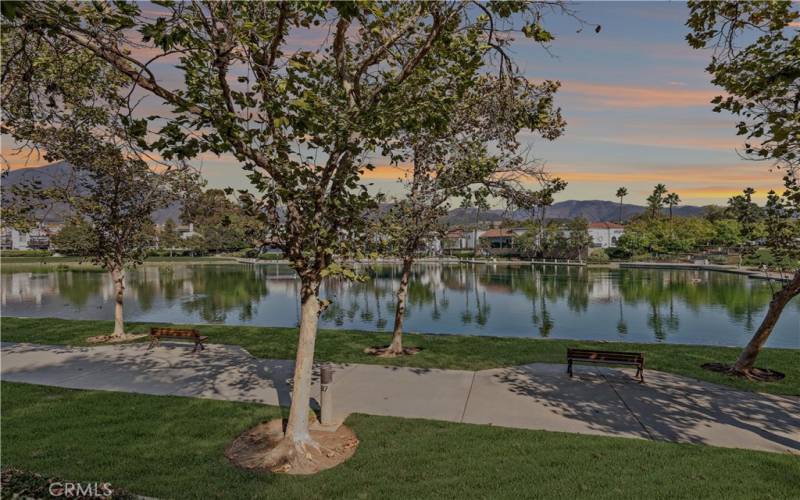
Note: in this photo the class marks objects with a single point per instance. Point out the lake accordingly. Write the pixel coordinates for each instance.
(636, 305)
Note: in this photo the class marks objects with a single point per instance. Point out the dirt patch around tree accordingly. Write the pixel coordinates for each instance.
(250, 450)
(382, 351)
(755, 374)
(111, 339)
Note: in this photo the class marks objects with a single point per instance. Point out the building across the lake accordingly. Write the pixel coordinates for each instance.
(605, 234)
(36, 239)
(500, 241)
(461, 239)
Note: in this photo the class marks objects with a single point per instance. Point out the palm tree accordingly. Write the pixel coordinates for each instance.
(671, 200)
(621, 193)
(656, 200)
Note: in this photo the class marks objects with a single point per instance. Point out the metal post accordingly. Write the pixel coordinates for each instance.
(326, 396)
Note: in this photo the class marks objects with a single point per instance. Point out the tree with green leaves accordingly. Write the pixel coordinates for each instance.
(655, 202)
(303, 123)
(579, 239)
(756, 61)
(74, 238)
(452, 159)
(661, 236)
(622, 192)
(223, 225)
(549, 187)
(727, 233)
(63, 101)
(168, 237)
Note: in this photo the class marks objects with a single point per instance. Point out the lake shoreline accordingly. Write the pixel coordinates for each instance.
(466, 352)
(649, 305)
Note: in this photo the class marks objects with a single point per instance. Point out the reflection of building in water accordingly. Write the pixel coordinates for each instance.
(28, 287)
(602, 288)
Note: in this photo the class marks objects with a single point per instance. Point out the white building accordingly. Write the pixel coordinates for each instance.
(187, 231)
(36, 239)
(605, 234)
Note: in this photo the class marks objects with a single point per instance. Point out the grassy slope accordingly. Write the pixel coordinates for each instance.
(440, 351)
(14, 263)
(143, 443)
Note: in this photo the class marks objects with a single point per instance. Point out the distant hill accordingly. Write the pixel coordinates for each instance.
(58, 174)
(591, 210)
(600, 210)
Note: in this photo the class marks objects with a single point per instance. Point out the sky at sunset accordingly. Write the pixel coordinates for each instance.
(636, 100)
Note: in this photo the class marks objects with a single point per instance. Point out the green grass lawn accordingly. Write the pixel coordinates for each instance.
(43, 264)
(439, 351)
(172, 447)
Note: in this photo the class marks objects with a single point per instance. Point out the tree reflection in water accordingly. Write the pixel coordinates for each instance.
(218, 290)
(563, 301)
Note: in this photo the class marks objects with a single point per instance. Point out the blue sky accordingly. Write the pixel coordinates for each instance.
(635, 97)
(636, 100)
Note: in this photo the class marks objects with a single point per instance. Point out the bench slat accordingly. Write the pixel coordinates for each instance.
(174, 332)
(606, 357)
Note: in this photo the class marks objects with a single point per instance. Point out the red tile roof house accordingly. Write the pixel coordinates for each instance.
(500, 241)
(605, 234)
(454, 239)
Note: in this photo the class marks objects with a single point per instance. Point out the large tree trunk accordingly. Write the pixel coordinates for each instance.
(297, 439)
(779, 300)
(396, 347)
(118, 276)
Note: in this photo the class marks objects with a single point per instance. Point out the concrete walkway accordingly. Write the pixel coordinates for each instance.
(600, 401)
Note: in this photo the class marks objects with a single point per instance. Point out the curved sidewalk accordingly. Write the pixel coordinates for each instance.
(602, 401)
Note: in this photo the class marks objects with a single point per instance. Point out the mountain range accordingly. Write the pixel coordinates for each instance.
(591, 210)
(58, 174)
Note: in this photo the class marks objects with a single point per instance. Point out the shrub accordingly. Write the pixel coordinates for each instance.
(617, 253)
(719, 260)
(598, 256)
(26, 253)
(463, 254)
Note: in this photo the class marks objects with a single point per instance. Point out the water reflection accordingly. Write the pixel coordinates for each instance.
(550, 301)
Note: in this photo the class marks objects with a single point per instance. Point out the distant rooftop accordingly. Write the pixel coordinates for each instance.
(497, 233)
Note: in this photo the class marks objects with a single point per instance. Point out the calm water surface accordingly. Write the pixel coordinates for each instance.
(676, 306)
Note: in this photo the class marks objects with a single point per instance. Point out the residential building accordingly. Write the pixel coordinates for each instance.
(186, 231)
(500, 241)
(36, 239)
(605, 234)
(461, 239)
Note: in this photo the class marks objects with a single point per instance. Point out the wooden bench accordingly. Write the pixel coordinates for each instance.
(606, 357)
(157, 334)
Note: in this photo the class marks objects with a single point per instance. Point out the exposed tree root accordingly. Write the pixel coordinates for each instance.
(384, 351)
(115, 339)
(264, 448)
(754, 374)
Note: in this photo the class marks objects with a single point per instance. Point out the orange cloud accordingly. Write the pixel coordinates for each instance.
(387, 173)
(700, 174)
(628, 96)
(14, 159)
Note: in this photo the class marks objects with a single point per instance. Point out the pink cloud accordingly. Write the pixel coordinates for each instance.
(630, 96)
